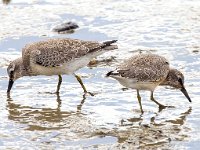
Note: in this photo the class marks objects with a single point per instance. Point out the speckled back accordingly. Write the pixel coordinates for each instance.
(55, 52)
(145, 67)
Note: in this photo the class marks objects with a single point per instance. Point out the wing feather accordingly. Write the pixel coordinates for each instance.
(145, 67)
(55, 52)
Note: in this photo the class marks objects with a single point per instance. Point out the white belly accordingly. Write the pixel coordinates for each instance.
(66, 68)
(132, 83)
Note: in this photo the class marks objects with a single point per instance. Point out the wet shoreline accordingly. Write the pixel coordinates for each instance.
(33, 118)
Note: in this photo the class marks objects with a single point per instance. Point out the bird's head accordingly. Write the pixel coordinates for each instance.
(176, 79)
(14, 71)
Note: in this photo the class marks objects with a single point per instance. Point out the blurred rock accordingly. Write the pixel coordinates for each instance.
(67, 27)
(195, 51)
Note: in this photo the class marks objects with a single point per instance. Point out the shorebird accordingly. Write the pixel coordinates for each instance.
(146, 72)
(56, 57)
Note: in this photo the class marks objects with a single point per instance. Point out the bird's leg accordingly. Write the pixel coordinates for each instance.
(59, 83)
(161, 106)
(139, 100)
(82, 85)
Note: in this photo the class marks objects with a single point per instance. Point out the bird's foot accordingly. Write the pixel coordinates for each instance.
(161, 107)
(88, 93)
(57, 93)
(170, 106)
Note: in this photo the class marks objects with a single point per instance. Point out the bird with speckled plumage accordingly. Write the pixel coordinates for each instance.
(56, 57)
(146, 72)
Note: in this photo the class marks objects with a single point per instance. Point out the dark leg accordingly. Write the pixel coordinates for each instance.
(82, 85)
(59, 83)
(139, 100)
(160, 105)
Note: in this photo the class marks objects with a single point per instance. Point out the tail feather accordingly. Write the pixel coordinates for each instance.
(106, 46)
(111, 73)
(108, 43)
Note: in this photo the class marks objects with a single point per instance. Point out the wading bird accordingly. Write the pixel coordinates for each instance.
(56, 57)
(146, 72)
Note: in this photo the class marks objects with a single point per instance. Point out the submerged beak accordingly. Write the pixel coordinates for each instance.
(10, 84)
(183, 90)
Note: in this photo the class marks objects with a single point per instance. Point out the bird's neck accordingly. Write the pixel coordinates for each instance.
(25, 71)
(169, 80)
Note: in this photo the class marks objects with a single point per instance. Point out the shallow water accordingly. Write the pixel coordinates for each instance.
(32, 118)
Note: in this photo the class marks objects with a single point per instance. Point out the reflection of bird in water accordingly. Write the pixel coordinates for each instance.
(182, 118)
(56, 57)
(146, 72)
(28, 114)
(155, 135)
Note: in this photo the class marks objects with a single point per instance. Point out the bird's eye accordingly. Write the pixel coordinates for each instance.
(180, 81)
(11, 74)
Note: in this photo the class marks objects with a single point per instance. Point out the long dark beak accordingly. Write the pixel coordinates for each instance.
(183, 90)
(10, 84)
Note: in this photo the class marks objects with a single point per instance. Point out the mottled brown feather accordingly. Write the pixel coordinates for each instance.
(55, 52)
(145, 67)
